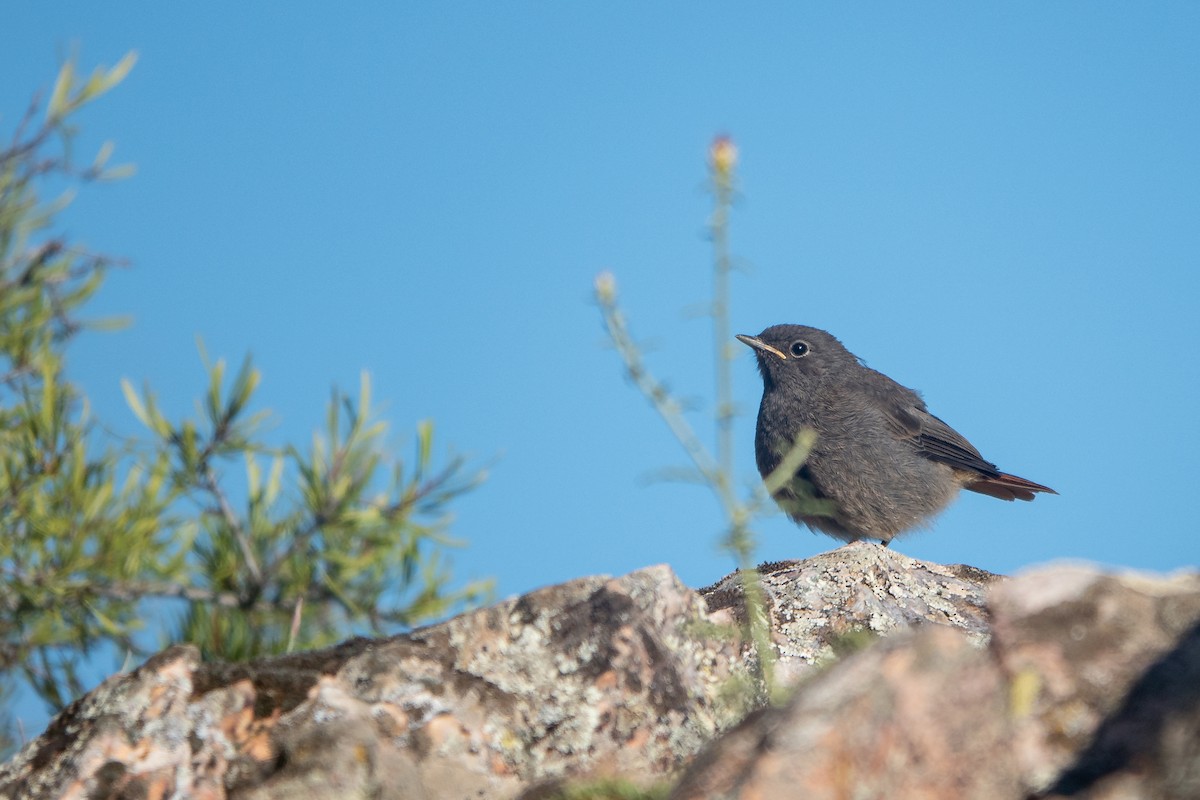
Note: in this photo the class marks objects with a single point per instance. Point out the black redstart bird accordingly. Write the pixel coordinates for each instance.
(882, 464)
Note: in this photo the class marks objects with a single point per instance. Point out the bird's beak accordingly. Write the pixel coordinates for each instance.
(760, 345)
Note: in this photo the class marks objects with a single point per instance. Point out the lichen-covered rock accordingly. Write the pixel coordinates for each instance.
(1089, 689)
(1149, 747)
(596, 676)
(1098, 665)
(860, 588)
(919, 715)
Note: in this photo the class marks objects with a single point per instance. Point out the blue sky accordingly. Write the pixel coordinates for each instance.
(995, 204)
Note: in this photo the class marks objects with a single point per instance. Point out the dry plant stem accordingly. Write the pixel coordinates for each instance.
(782, 474)
(666, 406)
(722, 163)
(740, 540)
(758, 623)
(736, 513)
(723, 192)
(294, 631)
(717, 472)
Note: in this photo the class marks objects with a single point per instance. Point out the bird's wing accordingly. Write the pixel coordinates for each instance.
(911, 422)
(939, 442)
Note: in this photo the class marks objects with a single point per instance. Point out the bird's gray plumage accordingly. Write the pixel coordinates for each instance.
(882, 464)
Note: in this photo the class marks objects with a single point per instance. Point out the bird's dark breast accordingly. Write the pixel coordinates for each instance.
(779, 423)
(870, 488)
(775, 435)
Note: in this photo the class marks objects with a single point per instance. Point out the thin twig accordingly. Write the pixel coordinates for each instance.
(722, 176)
(294, 630)
(666, 406)
(209, 482)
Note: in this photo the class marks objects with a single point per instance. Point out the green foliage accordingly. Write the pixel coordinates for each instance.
(74, 529)
(346, 548)
(260, 549)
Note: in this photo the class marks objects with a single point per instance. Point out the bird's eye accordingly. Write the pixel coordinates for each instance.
(799, 349)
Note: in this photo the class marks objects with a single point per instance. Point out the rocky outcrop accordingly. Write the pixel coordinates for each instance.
(822, 606)
(1103, 673)
(1090, 687)
(920, 715)
(592, 676)
(913, 680)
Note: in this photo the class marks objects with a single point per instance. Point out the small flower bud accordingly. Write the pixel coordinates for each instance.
(723, 155)
(606, 287)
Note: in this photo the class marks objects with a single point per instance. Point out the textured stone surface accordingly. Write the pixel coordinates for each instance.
(861, 587)
(1088, 688)
(1073, 642)
(921, 715)
(1150, 745)
(595, 676)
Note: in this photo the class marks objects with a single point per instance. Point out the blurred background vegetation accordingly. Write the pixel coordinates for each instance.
(253, 548)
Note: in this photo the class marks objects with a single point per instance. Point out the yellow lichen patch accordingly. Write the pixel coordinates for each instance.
(1023, 693)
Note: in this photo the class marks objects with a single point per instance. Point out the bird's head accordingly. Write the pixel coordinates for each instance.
(797, 355)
